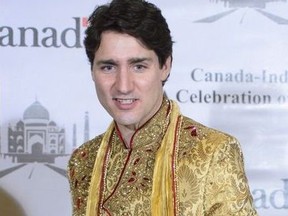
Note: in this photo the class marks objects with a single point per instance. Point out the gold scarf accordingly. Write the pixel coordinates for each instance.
(164, 185)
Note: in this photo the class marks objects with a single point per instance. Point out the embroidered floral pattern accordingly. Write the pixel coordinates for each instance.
(210, 172)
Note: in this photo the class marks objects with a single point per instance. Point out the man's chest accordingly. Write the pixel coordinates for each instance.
(128, 180)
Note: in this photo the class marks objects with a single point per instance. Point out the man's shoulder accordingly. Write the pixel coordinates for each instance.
(195, 134)
(86, 152)
(90, 144)
(198, 144)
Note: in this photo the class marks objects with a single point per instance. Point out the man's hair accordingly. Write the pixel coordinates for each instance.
(137, 18)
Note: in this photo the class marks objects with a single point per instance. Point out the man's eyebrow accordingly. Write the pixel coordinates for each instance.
(130, 61)
(106, 62)
(138, 60)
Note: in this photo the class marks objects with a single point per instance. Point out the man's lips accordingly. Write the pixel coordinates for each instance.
(124, 101)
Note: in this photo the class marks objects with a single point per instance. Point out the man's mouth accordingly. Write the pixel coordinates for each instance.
(125, 101)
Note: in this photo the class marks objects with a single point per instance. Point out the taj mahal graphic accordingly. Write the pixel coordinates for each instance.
(35, 138)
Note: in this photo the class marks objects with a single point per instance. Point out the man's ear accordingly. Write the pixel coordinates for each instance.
(166, 68)
(92, 73)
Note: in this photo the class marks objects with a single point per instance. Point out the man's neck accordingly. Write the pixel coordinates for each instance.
(126, 134)
(127, 131)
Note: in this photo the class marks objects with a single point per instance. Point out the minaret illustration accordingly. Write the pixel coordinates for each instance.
(74, 145)
(86, 127)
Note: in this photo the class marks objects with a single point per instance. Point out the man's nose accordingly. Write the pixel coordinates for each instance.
(124, 81)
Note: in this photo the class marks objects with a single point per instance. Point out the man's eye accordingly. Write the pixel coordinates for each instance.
(139, 67)
(107, 67)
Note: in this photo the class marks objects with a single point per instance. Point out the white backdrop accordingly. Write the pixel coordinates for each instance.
(229, 72)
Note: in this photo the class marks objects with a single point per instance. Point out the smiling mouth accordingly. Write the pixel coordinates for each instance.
(124, 101)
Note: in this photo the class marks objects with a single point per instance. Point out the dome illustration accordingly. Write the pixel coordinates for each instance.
(36, 111)
(52, 123)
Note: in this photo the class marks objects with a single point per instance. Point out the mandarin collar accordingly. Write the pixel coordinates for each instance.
(153, 130)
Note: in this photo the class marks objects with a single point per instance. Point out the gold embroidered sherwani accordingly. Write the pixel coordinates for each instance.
(207, 171)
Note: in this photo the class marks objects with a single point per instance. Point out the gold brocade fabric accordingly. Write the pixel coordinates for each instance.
(209, 172)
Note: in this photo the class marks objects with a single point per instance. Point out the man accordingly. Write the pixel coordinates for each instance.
(151, 160)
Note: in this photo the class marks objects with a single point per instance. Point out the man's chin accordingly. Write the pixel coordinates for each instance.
(127, 124)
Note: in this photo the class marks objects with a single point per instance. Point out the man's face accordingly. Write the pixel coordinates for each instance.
(128, 79)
